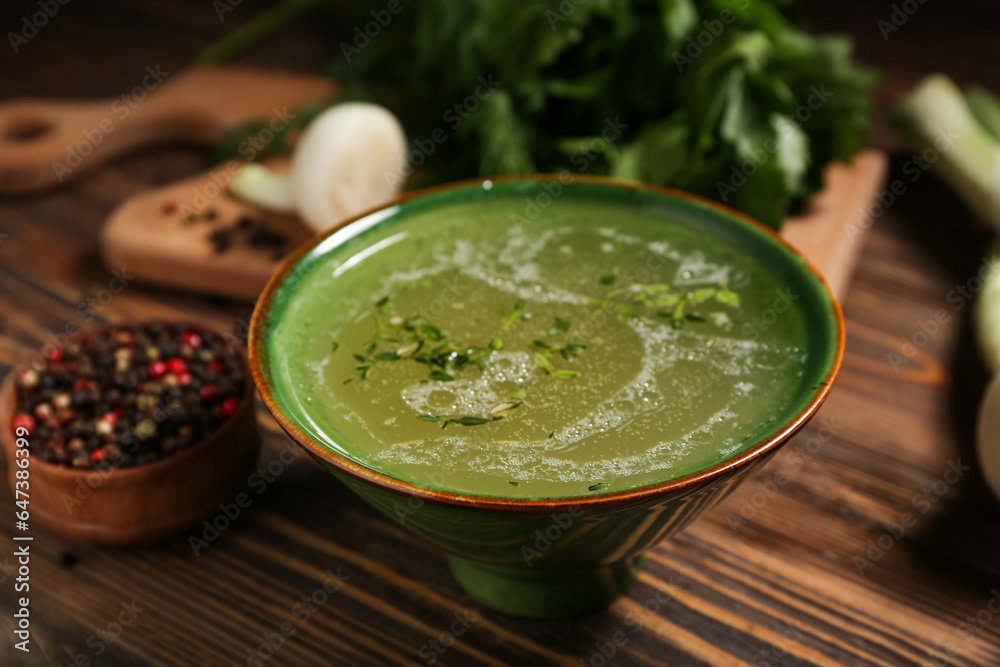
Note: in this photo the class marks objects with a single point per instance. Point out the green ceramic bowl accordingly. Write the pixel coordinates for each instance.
(548, 558)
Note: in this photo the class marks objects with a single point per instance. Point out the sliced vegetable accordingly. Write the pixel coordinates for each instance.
(348, 160)
(988, 435)
(936, 118)
(986, 314)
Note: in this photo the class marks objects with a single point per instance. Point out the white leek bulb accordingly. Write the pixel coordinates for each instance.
(988, 435)
(346, 161)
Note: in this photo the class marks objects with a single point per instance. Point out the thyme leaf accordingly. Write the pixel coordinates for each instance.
(561, 326)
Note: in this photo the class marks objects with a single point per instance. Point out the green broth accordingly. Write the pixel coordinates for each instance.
(653, 395)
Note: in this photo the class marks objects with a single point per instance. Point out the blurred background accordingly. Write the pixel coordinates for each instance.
(802, 565)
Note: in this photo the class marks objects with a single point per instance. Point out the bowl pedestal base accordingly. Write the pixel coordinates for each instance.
(538, 592)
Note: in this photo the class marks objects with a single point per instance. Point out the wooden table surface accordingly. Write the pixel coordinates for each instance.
(813, 567)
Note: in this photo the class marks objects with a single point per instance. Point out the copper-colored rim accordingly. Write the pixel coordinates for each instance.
(123, 475)
(680, 484)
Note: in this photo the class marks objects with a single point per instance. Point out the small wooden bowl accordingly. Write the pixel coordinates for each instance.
(126, 506)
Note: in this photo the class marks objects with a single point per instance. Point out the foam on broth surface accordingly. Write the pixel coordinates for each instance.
(652, 402)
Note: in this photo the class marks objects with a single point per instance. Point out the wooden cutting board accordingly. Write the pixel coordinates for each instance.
(834, 226)
(164, 236)
(45, 142)
(147, 233)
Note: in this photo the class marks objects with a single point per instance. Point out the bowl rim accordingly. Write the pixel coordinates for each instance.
(8, 404)
(388, 482)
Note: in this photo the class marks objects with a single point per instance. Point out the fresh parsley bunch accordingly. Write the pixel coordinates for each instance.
(724, 98)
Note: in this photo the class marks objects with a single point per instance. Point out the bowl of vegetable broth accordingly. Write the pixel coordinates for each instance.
(545, 375)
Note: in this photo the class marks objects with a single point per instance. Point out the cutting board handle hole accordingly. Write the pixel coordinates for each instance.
(22, 130)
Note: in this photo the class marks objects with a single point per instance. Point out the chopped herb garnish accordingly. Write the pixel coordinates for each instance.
(663, 296)
(598, 486)
(513, 483)
(542, 361)
(505, 408)
(701, 295)
(426, 343)
(470, 420)
(407, 350)
(334, 346)
(561, 326)
(727, 297)
(567, 350)
(518, 314)
(608, 279)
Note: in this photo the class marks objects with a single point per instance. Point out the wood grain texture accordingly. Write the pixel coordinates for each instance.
(781, 589)
(46, 142)
(831, 232)
(167, 252)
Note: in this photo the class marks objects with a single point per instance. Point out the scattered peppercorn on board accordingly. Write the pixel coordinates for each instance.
(194, 235)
